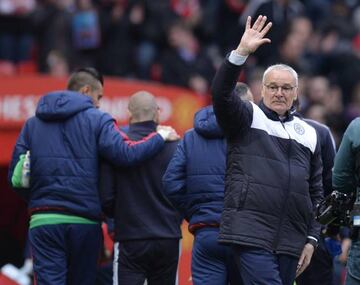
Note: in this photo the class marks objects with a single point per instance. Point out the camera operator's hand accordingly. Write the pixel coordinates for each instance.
(305, 258)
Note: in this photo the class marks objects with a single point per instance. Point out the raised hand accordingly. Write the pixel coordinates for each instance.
(253, 37)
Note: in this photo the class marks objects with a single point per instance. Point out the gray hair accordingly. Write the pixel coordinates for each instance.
(281, 66)
(243, 91)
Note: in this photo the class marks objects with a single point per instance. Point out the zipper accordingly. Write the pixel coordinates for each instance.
(276, 240)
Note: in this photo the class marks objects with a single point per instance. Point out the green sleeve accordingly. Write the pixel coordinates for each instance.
(17, 174)
(344, 172)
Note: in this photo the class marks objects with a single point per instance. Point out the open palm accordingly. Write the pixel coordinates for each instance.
(253, 37)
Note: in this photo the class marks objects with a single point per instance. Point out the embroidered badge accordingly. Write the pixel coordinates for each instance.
(299, 129)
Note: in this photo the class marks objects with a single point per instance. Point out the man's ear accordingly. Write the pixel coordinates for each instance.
(85, 90)
(129, 115)
(262, 92)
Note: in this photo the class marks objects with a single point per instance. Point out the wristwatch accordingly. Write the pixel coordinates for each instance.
(313, 242)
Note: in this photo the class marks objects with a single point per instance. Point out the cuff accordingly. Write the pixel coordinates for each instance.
(313, 241)
(236, 58)
(163, 133)
(313, 238)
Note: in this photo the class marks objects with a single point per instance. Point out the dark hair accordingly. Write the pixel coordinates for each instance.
(84, 76)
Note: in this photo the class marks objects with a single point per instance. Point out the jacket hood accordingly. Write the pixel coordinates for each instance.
(61, 105)
(206, 125)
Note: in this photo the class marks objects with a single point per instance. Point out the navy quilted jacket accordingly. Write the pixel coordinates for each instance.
(194, 180)
(65, 139)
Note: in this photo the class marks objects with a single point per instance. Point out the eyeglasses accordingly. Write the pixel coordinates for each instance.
(286, 89)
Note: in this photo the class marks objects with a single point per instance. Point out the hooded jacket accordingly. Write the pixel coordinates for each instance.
(65, 139)
(194, 179)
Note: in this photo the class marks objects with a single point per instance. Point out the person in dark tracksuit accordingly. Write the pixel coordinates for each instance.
(320, 270)
(147, 226)
(274, 170)
(194, 183)
(66, 138)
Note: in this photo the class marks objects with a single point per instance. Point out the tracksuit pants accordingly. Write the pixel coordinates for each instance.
(261, 267)
(154, 260)
(212, 263)
(65, 254)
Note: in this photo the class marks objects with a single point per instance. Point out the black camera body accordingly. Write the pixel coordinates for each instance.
(335, 209)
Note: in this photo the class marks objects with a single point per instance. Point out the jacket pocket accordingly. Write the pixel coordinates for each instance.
(243, 193)
(236, 192)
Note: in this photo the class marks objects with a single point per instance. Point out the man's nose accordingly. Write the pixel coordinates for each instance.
(278, 92)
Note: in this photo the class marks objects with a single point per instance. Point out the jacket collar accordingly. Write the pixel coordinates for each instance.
(272, 115)
(143, 128)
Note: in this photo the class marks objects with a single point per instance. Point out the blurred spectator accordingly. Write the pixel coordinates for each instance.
(337, 61)
(15, 30)
(57, 64)
(291, 50)
(51, 20)
(85, 31)
(188, 10)
(317, 113)
(186, 63)
(318, 88)
(280, 13)
(229, 15)
(117, 56)
(301, 27)
(353, 108)
(149, 22)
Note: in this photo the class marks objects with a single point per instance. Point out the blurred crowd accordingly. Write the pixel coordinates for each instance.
(182, 42)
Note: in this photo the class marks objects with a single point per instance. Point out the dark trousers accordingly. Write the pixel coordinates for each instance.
(320, 269)
(153, 260)
(261, 267)
(212, 263)
(65, 254)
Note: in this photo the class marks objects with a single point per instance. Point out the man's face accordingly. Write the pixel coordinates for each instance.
(279, 91)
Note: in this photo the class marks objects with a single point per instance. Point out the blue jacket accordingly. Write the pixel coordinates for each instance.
(65, 139)
(328, 151)
(194, 179)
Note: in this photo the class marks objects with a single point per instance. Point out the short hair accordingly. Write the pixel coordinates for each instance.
(84, 76)
(242, 90)
(281, 66)
(142, 106)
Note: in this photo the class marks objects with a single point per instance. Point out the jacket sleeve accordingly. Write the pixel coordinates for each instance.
(116, 147)
(344, 174)
(21, 146)
(315, 189)
(232, 113)
(107, 188)
(328, 155)
(174, 179)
